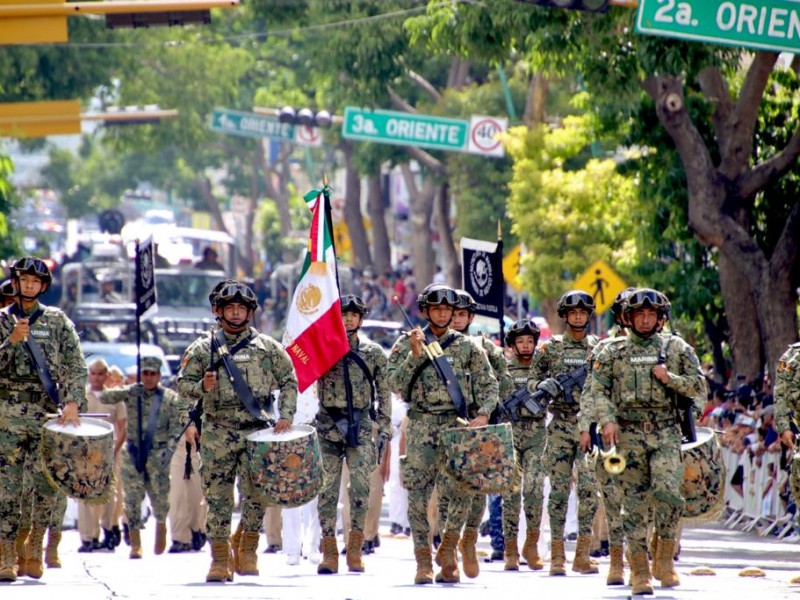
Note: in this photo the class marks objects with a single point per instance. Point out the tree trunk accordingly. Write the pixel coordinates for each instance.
(452, 268)
(740, 309)
(716, 333)
(420, 210)
(550, 312)
(279, 174)
(536, 100)
(381, 249)
(352, 212)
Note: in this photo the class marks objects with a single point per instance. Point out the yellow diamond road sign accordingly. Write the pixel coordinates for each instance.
(602, 283)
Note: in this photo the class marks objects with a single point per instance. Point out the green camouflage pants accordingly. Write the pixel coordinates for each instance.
(420, 468)
(155, 484)
(224, 454)
(20, 441)
(468, 508)
(562, 452)
(29, 497)
(361, 462)
(652, 476)
(530, 439)
(612, 499)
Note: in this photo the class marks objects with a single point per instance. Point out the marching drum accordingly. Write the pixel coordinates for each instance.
(703, 485)
(286, 469)
(480, 460)
(79, 461)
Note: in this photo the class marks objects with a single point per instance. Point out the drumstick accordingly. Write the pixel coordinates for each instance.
(15, 321)
(91, 415)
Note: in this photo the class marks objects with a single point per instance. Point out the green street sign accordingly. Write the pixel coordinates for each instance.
(405, 129)
(772, 25)
(245, 124)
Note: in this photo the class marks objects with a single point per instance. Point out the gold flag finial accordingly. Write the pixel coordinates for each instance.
(499, 229)
(324, 178)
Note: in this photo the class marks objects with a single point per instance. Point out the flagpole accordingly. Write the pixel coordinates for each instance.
(503, 285)
(139, 433)
(329, 225)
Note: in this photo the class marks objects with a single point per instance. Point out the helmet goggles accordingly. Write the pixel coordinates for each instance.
(236, 292)
(34, 266)
(643, 298)
(436, 297)
(352, 303)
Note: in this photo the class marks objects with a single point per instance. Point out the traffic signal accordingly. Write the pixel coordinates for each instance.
(587, 5)
(157, 19)
(119, 116)
(305, 117)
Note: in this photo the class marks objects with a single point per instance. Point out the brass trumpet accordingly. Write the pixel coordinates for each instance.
(613, 462)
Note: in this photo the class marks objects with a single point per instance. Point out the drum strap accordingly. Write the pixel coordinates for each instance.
(450, 376)
(243, 391)
(35, 354)
(361, 363)
(152, 421)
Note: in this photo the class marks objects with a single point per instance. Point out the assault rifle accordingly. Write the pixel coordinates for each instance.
(684, 404)
(567, 382)
(536, 403)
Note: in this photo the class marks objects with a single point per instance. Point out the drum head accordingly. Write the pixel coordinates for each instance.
(704, 434)
(88, 427)
(269, 435)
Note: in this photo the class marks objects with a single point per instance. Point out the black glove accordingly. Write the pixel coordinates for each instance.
(383, 439)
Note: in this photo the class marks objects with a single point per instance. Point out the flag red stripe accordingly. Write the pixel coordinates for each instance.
(319, 347)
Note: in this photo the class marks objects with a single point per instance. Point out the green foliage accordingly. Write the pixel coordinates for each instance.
(268, 225)
(9, 244)
(567, 219)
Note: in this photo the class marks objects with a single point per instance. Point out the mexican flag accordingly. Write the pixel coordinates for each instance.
(315, 337)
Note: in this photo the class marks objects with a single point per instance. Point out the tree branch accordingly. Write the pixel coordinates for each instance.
(735, 155)
(426, 159)
(784, 256)
(425, 85)
(769, 170)
(715, 89)
(399, 103)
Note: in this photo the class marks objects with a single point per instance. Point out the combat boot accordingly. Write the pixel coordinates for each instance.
(557, 558)
(653, 550)
(8, 564)
(449, 572)
(221, 562)
(530, 550)
(469, 553)
(161, 538)
(511, 551)
(330, 556)
(136, 543)
(51, 558)
(248, 560)
(354, 549)
(34, 565)
(424, 573)
(19, 545)
(666, 565)
(616, 570)
(236, 539)
(583, 563)
(640, 574)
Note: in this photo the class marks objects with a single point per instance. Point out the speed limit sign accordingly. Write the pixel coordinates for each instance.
(484, 135)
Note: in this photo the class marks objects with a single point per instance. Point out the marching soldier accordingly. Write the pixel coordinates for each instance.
(41, 368)
(348, 395)
(432, 408)
(530, 441)
(145, 467)
(233, 374)
(612, 495)
(635, 383)
(463, 315)
(562, 356)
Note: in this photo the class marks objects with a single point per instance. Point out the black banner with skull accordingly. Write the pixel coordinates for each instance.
(145, 278)
(482, 275)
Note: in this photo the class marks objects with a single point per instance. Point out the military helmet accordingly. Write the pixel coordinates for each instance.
(435, 294)
(644, 297)
(575, 299)
(212, 297)
(353, 303)
(520, 328)
(33, 266)
(236, 292)
(465, 300)
(7, 289)
(619, 303)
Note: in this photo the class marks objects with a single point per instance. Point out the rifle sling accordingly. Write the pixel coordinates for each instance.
(447, 376)
(352, 415)
(243, 391)
(37, 357)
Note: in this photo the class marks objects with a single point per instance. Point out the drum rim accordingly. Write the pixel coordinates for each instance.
(308, 429)
(71, 430)
(707, 435)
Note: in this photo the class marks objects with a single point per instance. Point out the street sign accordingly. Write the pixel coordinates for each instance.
(308, 136)
(40, 119)
(405, 129)
(602, 283)
(511, 268)
(484, 135)
(772, 25)
(245, 124)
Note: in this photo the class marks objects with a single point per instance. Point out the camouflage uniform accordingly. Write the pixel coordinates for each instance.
(23, 406)
(609, 486)
(530, 441)
(430, 410)
(266, 368)
(361, 460)
(625, 392)
(154, 481)
(561, 354)
(787, 405)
